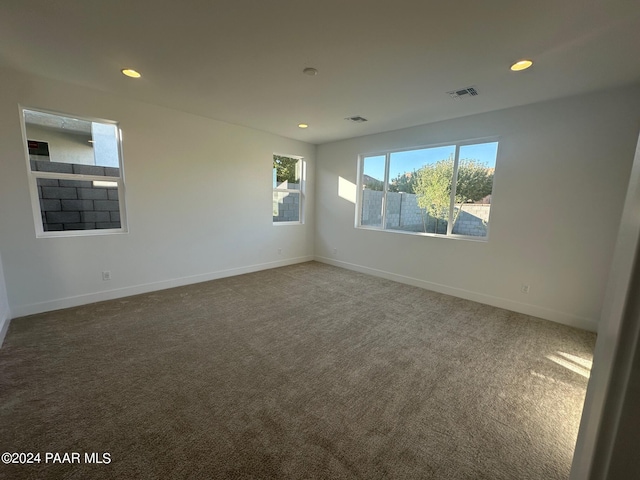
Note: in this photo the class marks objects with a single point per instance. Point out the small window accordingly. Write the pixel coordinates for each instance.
(76, 177)
(288, 195)
(443, 190)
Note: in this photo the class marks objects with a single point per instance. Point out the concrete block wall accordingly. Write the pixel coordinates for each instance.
(57, 167)
(371, 207)
(76, 204)
(403, 213)
(472, 220)
(288, 207)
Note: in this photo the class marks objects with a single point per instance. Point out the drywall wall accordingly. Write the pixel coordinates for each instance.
(181, 173)
(5, 313)
(610, 419)
(624, 462)
(560, 183)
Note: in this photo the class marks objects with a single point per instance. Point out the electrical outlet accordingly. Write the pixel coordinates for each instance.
(524, 289)
(335, 251)
(279, 251)
(106, 275)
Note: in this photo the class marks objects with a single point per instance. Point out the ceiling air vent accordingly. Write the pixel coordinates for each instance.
(463, 93)
(356, 119)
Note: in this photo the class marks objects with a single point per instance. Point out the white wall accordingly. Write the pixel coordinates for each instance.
(181, 173)
(5, 313)
(560, 182)
(610, 418)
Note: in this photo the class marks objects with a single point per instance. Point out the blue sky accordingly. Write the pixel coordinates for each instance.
(402, 162)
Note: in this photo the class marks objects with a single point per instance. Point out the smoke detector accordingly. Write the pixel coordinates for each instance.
(463, 93)
(356, 119)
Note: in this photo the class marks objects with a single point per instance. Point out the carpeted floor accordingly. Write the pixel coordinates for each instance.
(307, 371)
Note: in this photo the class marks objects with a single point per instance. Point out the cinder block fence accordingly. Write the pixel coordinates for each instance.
(403, 213)
(76, 204)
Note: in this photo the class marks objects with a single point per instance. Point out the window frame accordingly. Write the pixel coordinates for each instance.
(300, 191)
(387, 154)
(33, 177)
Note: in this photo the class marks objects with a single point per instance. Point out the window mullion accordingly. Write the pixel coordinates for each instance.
(452, 200)
(74, 176)
(287, 190)
(387, 161)
(303, 183)
(360, 191)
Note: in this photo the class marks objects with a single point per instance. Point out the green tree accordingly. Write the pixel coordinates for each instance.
(404, 182)
(433, 186)
(475, 181)
(373, 183)
(286, 169)
(433, 190)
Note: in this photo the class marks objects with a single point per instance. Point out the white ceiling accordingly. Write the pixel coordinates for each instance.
(392, 62)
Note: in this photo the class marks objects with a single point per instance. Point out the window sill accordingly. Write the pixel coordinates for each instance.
(82, 233)
(279, 224)
(423, 234)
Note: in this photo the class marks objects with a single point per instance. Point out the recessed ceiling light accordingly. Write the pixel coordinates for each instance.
(303, 125)
(130, 72)
(521, 65)
(310, 71)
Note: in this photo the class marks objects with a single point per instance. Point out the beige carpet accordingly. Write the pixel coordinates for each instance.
(307, 371)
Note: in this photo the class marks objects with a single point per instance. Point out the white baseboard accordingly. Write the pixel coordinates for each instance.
(5, 319)
(528, 309)
(30, 309)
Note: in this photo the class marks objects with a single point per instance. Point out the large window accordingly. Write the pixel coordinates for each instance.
(75, 174)
(288, 195)
(442, 190)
